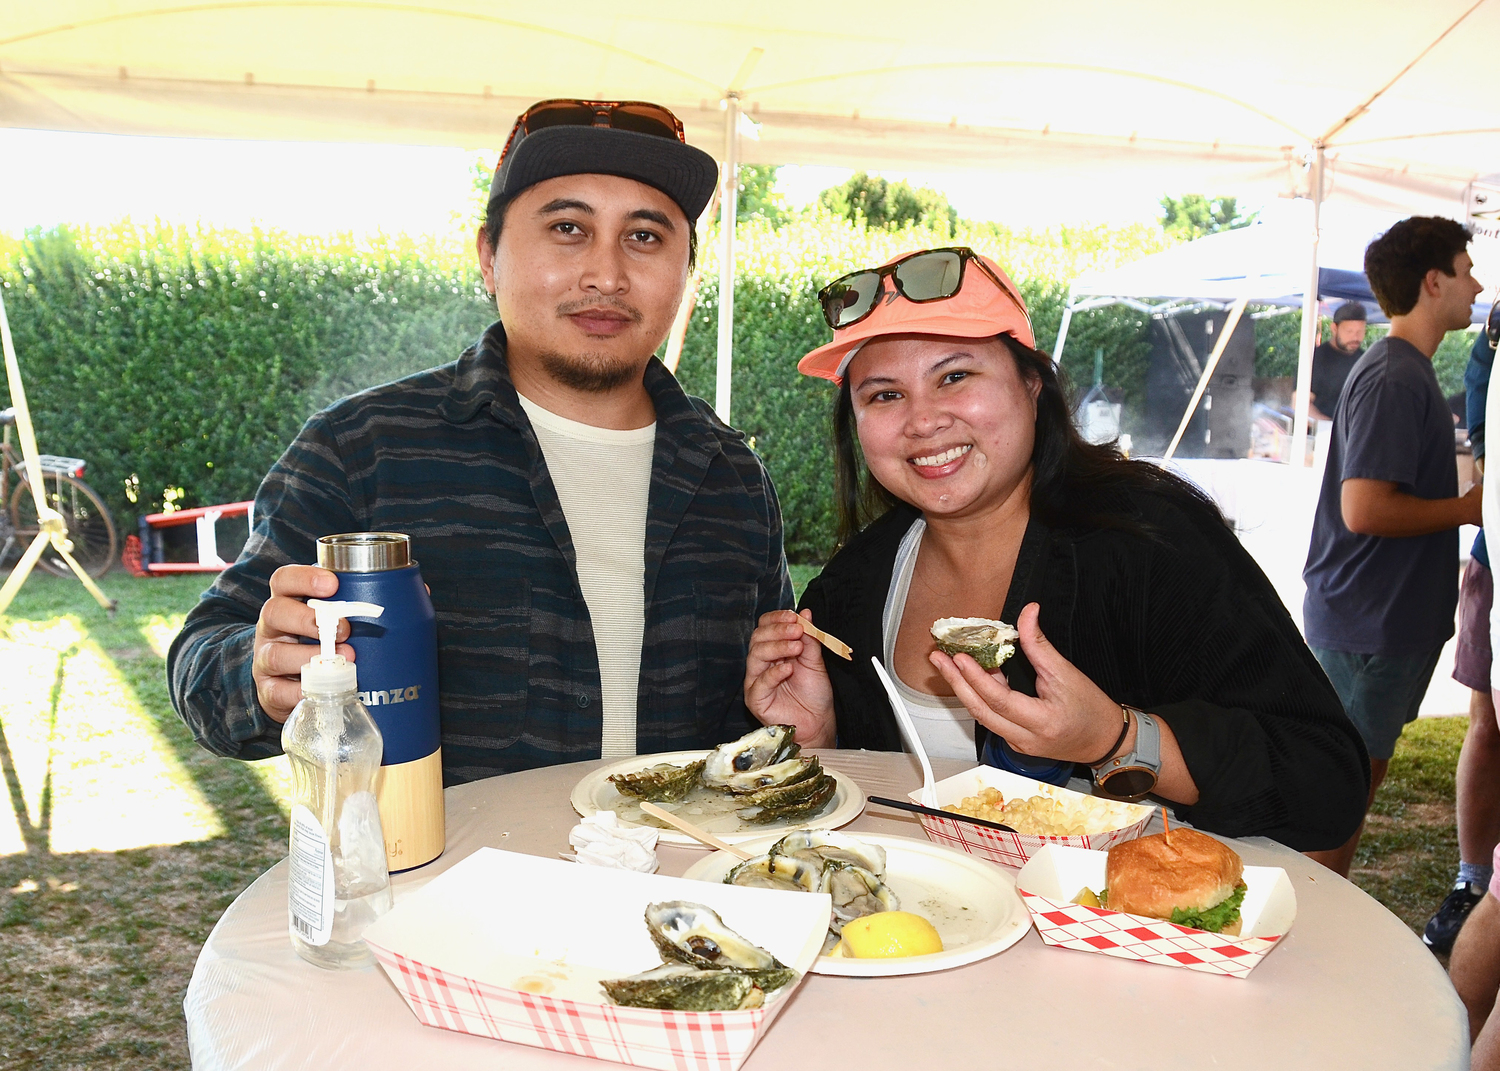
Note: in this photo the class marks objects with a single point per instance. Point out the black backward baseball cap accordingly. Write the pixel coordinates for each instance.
(1349, 310)
(682, 172)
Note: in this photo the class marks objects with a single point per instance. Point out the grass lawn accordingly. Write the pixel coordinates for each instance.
(124, 841)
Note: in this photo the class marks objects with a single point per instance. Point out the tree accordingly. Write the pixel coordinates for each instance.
(759, 198)
(1194, 215)
(890, 204)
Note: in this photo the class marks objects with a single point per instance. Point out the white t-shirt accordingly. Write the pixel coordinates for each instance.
(943, 723)
(603, 478)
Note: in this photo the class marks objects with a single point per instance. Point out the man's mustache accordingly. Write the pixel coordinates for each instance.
(570, 308)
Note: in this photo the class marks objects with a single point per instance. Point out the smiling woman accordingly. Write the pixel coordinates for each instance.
(1154, 655)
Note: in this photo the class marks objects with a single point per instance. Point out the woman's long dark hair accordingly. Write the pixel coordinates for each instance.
(1074, 483)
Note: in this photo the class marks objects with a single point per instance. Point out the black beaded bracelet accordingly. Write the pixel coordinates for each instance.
(1124, 732)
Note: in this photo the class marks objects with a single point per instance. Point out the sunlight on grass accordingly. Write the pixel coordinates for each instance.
(275, 776)
(160, 630)
(115, 783)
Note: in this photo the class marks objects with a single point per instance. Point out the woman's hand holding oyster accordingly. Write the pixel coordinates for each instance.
(786, 682)
(1070, 718)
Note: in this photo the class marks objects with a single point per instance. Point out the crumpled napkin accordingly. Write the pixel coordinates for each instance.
(600, 840)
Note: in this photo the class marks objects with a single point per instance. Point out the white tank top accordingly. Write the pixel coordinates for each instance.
(942, 722)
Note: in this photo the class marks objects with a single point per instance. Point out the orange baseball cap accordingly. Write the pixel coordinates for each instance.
(979, 309)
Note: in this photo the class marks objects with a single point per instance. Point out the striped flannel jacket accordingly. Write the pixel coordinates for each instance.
(449, 457)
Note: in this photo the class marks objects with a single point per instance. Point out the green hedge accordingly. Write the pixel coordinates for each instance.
(175, 358)
(180, 361)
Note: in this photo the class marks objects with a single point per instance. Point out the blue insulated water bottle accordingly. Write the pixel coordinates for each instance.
(396, 657)
(1002, 756)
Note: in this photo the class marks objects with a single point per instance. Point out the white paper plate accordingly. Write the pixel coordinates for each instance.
(973, 904)
(594, 793)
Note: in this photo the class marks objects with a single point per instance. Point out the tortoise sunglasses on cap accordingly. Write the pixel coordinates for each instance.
(639, 116)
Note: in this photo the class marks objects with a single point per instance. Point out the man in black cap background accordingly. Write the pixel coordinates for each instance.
(597, 544)
(1333, 359)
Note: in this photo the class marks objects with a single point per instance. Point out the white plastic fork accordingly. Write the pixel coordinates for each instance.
(909, 731)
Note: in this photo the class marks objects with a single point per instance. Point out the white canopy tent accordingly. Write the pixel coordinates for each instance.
(1264, 263)
(1385, 104)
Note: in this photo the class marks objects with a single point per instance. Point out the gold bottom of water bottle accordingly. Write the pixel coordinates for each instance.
(410, 795)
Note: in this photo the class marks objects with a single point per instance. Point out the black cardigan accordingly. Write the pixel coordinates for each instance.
(1183, 624)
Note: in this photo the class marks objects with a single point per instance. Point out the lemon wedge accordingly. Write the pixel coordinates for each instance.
(888, 935)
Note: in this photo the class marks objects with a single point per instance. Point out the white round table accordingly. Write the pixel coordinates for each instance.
(1350, 986)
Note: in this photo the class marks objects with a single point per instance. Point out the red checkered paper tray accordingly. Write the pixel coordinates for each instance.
(1054, 876)
(513, 947)
(1013, 849)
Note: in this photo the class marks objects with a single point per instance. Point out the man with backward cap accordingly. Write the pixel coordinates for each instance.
(597, 544)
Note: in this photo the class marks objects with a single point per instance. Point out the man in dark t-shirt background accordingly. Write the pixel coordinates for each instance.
(1335, 359)
(1382, 568)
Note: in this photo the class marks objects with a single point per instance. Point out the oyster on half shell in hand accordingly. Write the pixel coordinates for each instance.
(988, 642)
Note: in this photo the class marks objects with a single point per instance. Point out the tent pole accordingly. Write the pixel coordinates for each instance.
(1309, 322)
(728, 203)
(1230, 324)
(1062, 330)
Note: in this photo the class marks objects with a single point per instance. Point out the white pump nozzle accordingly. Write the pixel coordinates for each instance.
(331, 672)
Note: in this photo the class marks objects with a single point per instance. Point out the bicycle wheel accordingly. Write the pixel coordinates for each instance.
(90, 527)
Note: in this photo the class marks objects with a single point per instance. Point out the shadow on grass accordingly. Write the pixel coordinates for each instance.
(98, 946)
(36, 835)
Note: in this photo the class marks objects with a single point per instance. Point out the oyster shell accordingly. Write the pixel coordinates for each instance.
(789, 772)
(790, 802)
(766, 746)
(778, 872)
(662, 783)
(988, 642)
(825, 845)
(696, 935)
(678, 987)
(856, 892)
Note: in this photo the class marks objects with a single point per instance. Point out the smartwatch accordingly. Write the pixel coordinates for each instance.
(1133, 775)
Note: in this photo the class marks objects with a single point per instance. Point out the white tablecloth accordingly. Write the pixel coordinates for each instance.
(1349, 987)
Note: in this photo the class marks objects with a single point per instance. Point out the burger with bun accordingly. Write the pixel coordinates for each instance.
(1183, 876)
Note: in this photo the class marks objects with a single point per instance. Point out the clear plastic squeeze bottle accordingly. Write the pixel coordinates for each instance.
(338, 883)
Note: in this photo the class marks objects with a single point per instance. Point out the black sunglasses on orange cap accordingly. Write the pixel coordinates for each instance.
(931, 275)
(631, 138)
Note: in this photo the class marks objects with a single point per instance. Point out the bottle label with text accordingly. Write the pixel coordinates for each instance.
(311, 880)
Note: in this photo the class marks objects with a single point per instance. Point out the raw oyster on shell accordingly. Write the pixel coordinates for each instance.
(766, 746)
(696, 935)
(678, 987)
(820, 860)
(784, 872)
(792, 802)
(988, 642)
(856, 892)
(826, 845)
(789, 772)
(662, 783)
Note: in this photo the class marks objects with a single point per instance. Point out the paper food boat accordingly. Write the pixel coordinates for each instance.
(1055, 875)
(1013, 849)
(512, 947)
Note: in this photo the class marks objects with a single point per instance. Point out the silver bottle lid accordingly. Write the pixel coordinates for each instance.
(364, 552)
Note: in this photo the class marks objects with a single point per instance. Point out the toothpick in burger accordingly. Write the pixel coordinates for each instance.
(1185, 877)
